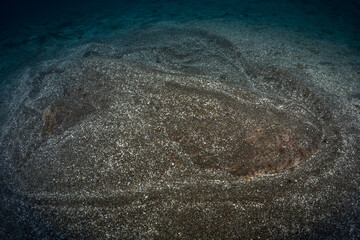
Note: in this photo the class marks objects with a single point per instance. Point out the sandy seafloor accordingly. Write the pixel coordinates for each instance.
(182, 120)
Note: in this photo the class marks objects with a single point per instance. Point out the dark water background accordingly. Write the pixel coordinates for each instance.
(332, 16)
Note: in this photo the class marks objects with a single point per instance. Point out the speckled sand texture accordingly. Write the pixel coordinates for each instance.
(183, 132)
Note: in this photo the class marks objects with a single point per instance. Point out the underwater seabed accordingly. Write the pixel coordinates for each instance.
(201, 128)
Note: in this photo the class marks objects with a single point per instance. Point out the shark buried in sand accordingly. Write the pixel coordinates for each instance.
(173, 132)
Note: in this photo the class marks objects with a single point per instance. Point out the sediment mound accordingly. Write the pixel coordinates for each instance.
(174, 133)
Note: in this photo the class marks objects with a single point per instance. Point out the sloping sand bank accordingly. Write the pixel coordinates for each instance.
(181, 132)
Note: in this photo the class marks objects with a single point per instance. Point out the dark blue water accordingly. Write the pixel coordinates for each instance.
(330, 15)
